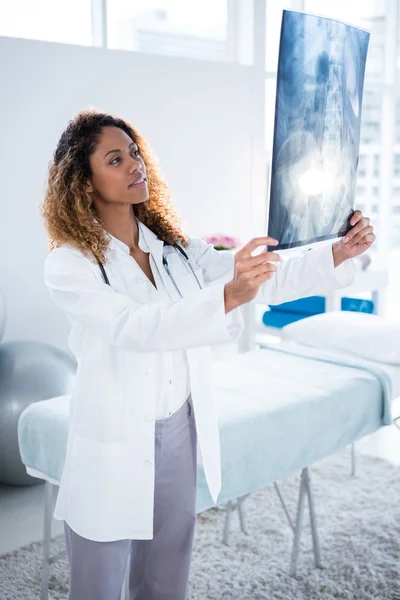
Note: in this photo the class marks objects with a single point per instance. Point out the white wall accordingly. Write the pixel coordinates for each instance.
(199, 118)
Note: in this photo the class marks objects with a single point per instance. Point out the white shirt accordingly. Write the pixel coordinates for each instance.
(174, 371)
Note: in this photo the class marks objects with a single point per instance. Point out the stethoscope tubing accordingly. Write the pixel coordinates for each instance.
(183, 256)
(187, 263)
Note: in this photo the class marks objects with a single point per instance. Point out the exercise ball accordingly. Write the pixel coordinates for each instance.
(29, 372)
(3, 315)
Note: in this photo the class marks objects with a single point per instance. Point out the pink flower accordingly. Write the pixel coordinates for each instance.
(222, 241)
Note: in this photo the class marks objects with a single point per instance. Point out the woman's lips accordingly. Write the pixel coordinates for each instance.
(138, 185)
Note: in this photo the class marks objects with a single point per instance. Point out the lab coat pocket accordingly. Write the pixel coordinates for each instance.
(96, 481)
(100, 410)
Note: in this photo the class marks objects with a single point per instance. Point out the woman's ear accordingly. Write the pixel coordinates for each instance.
(88, 186)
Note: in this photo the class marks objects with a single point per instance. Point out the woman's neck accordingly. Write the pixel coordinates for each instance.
(121, 222)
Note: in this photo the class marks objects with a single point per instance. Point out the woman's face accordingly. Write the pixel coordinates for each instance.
(118, 172)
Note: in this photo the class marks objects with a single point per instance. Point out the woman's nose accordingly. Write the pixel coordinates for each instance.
(134, 164)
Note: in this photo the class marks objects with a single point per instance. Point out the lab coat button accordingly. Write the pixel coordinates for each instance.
(148, 463)
(148, 370)
(139, 280)
(148, 419)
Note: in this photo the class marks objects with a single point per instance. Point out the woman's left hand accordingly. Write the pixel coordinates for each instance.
(360, 237)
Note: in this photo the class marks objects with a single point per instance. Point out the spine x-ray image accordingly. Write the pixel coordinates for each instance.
(317, 129)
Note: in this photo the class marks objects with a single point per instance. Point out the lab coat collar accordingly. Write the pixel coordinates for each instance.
(148, 241)
(154, 243)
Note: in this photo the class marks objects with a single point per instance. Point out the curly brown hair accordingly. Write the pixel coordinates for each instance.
(67, 208)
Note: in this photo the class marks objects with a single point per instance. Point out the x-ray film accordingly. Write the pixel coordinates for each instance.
(317, 129)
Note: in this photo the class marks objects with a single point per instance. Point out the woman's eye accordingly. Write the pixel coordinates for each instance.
(118, 158)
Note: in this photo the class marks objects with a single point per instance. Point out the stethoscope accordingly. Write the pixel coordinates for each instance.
(183, 256)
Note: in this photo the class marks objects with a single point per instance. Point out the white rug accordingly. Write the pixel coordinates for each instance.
(359, 531)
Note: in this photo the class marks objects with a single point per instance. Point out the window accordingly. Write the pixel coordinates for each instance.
(66, 21)
(273, 32)
(398, 109)
(396, 165)
(170, 27)
(377, 160)
(370, 132)
(362, 163)
(360, 190)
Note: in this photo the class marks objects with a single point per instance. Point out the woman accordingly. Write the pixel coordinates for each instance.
(143, 318)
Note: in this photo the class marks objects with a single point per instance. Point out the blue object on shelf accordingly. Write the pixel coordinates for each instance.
(289, 312)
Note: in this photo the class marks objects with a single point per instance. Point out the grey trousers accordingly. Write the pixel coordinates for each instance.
(159, 568)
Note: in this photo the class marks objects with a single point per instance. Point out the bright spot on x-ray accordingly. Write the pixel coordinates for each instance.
(315, 181)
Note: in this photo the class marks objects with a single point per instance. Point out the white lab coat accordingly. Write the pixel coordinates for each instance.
(107, 487)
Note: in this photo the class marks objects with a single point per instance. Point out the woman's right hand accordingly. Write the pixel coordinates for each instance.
(250, 272)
